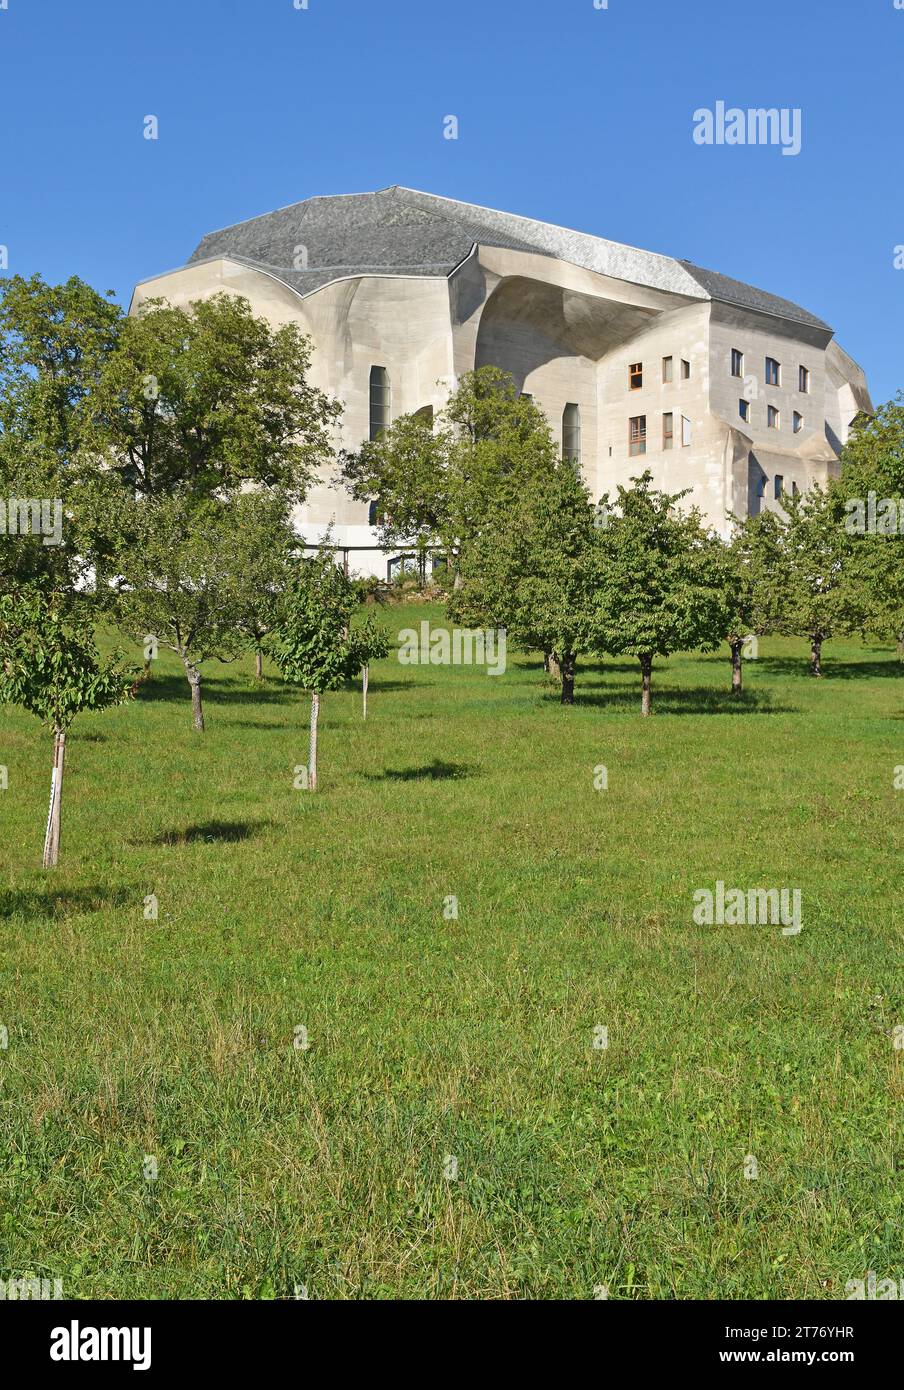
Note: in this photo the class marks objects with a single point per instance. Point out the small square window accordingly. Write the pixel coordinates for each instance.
(804, 382)
(798, 422)
(773, 419)
(685, 370)
(737, 362)
(744, 410)
(778, 486)
(773, 372)
(637, 435)
(635, 376)
(668, 369)
(668, 430)
(685, 431)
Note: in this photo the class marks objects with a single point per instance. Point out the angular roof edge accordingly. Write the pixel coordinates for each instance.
(402, 231)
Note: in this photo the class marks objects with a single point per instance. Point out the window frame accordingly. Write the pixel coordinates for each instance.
(668, 434)
(736, 353)
(774, 362)
(640, 438)
(635, 369)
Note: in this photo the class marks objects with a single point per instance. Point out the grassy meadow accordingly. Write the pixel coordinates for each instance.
(451, 1131)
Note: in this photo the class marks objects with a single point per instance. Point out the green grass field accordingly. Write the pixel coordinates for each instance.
(471, 1040)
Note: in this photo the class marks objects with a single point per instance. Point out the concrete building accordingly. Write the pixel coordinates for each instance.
(639, 361)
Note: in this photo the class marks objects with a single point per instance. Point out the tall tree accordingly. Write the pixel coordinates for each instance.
(434, 485)
(821, 595)
(870, 494)
(534, 568)
(54, 342)
(755, 575)
(180, 582)
(49, 664)
(263, 550)
(314, 643)
(204, 399)
(662, 587)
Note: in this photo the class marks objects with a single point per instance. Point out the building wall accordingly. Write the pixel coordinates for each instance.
(567, 334)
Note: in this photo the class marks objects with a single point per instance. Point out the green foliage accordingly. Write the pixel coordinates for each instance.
(663, 585)
(206, 398)
(54, 341)
(755, 576)
(873, 462)
(314, 643)
(534, 567)
(49, 662)
(816, 593)
(438, 484)
(180, 578)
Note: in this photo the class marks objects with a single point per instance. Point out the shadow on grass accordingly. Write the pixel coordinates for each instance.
(214, 692)
(669, 701)
(212, 832)
(437, 771)
(45, 903)
(831, 670)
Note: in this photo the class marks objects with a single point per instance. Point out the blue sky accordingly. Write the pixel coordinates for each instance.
(569, 113)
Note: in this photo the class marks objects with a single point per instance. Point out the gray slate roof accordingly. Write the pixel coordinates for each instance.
(398, 231)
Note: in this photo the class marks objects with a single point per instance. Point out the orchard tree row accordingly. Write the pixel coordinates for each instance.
(179, 440)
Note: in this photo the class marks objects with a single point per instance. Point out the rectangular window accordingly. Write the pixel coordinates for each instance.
(804, 382)
(685, 370)
(773, 372)
(637, 435)
(744, 410)
(778, 484)
(798, 422)
(668, 369)
(737, 362)
(685, 431)
(635, 376)
(668, 430)
(773, 419)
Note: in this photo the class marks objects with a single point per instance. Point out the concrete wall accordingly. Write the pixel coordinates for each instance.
(567, 334)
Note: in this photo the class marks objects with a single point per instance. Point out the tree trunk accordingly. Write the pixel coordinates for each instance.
(566, 670)
(312, 753)
(551, 666)
(54, 815)
(816, 655)
(737, 679)
(258, 664)
(365, 678)
(194, 680)
(646, 668)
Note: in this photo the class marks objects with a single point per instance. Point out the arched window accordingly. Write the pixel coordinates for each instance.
(571, 434)
(379, 401)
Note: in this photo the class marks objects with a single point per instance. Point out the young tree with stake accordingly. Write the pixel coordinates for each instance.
(50, 666)
(314, 643)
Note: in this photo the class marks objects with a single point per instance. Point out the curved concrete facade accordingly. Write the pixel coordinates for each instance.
(427, 289)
